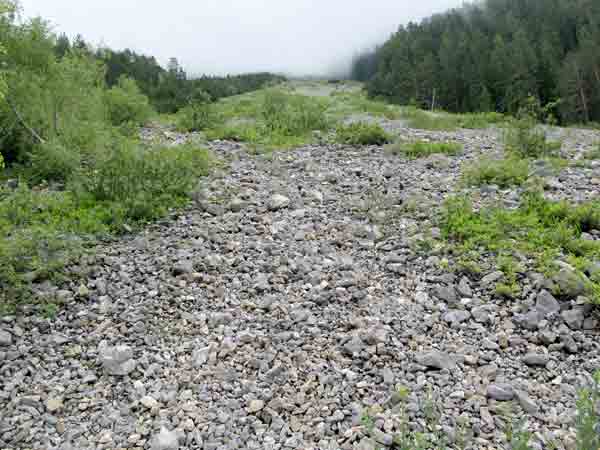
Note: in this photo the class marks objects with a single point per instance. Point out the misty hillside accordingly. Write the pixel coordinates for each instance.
(249, 262)
(492, 55)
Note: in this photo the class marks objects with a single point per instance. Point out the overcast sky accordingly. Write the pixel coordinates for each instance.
(231, 36)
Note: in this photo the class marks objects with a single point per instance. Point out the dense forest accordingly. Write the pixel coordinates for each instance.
(494, 55)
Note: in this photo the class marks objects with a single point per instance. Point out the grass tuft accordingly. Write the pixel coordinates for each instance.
(423, 149)
(501, 172)
(362, 133)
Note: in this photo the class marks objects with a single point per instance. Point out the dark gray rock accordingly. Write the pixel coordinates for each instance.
(536, 359)
(5, 338)
(464, 288)
(574, 318)
(529, 321)
(456, 316)
(435, 360)
(501, 392)
(546, 305)
(492, 278)
(446, 294)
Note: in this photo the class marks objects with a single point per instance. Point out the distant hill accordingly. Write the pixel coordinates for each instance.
(492, 56)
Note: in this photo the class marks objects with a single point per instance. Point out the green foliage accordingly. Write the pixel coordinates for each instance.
(126, 104)
(587, 419)
(43, 229)
(501, 172)
(292, 115)
(146, 182)
(362, 133)
(480, 120)
(348, 103)
(53, 161)
(269, 119)
(443, 121)
(429, 121)
(524, 139)
(423, 149)
(541, 229)
(197, 117)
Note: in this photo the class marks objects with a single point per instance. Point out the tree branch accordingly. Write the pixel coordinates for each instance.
(23, 123)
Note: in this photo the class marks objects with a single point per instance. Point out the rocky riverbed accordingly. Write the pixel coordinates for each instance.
(289, 307)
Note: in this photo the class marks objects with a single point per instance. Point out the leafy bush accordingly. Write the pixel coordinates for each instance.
(480, 120)
(501, 172)
(525, 140)
(587, 418)
(52, 161)
(146, 181)
(126, 104)
(43, 229)
(422, 149)
(362, 133)
(197, 117)
(292, 115)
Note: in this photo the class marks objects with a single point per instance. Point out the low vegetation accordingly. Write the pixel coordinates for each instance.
(362, 133)
(594, 153)
(504, 173)
(433, 436)
(423, 149)
(44, 228)
(270, 119)
(540, 229)
(526, 140)
(443, 121)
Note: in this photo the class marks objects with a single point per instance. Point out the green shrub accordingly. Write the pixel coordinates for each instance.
(126, 104)
(480, 120)
(43, 229)
(52, 161)
(524, 139)
(425, 120)
(197, 117)
(292, 115)
(502, 172)
(422, 149)
(587, 418)
(362, 133)
(146, 181)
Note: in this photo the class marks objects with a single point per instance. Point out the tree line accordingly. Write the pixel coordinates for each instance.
(494, 56)
(169, 89)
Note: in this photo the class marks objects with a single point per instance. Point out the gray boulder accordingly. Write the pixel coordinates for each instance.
(435, 360)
